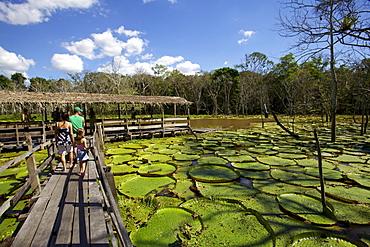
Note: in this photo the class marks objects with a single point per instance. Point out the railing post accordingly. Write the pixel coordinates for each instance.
(31, 166)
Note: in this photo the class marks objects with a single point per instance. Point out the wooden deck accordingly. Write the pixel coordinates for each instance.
(68, 212)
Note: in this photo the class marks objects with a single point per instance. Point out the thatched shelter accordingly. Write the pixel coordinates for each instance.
(11, 97)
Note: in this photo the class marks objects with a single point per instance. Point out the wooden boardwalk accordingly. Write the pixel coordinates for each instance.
(70, 211)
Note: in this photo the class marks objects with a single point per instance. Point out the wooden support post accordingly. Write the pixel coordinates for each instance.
(31, 167)
(43, 132)
(174, 110)
(162, 121)
(17, 134)
(112, 186)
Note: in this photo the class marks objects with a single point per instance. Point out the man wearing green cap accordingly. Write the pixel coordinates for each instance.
(77, 120)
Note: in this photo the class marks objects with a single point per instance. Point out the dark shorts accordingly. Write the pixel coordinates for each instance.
(82, 155)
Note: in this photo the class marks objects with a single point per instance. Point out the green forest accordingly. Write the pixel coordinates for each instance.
(287, 87)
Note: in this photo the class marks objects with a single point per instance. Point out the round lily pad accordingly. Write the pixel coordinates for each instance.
(120, 159)
(314, 163)
(164, 227)
(346, 158)
(348, 193)
(362, 179)
(241, 158)
(291, 156)
(120, 151)
(276, 161)
(295, 178)
(306, 207)
(254, 166)
(231, 190)
(272, 186)
(185, 157)
(139, 187)
(226, 152)
(161, 169)
(155, 157)
(212, 160)
(264, 151)
(213, 173)
(229, 223)
(328, 174)
(322, 239)
(257, 174)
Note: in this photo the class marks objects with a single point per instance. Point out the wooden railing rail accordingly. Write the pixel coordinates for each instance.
(98, 153)
(33, 172)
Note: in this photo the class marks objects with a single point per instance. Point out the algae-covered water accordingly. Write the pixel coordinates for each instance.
(245, 187)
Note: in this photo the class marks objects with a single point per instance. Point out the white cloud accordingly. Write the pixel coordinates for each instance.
(147, 56)
(109, 45)
(84, 48)
(134, 46)
(246, 34)
(35, 11)
(167, 60)
(130, 33)
(67, 63)
(11, 63)
(188, 68)
(123, 66)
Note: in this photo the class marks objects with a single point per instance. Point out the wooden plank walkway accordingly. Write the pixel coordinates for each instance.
(68, 212)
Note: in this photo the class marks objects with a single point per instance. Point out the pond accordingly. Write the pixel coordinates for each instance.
(245, 187)
(225, 123)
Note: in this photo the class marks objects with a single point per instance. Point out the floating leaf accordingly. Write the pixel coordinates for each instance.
(139, 187)
(255, 174)
(241, 158)
(254, 166)
(315, 163)
(362, 179)
(295, 178)
(212, 160)
(185, 157)
(328, 174)
(231, 190)
(306, 207)
(276, 161)
(323, 239)
(346, 158)
(213, 173)
(272, 186)
(120, 159)
(164, 227)
(229, 223)
(348, 193)
(155, 157)
(120, 151)
(156, 169)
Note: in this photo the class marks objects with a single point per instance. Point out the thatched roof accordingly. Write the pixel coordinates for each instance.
(70, 98)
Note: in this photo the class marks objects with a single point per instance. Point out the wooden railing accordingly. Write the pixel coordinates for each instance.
(109, 188)
(129, 128)
(33, 181)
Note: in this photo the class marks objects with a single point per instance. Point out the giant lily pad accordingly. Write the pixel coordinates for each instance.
(120, 151)
(139, 187)
(228, 223)
(307, 208)
(120, 159)
(164, 227)
(213, 173)
(231, 190)
(272, 186)
(185, 157)
(346, 158)
(254, 166)
(241, 158)
(328, 174)
(276, 161)
(295, 178)
(314, 163)
(156, 169)
(212, 160)
(156, 157)
(362, 179)
(322, 239)
(258, 174)
(348, 193)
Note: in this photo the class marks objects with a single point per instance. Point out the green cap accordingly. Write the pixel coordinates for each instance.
(78, 109)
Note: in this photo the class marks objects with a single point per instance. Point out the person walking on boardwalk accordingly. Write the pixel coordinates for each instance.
(78, 122)
(64, 138)
(80, 144)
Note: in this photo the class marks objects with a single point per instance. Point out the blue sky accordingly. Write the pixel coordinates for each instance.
(50, 38)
